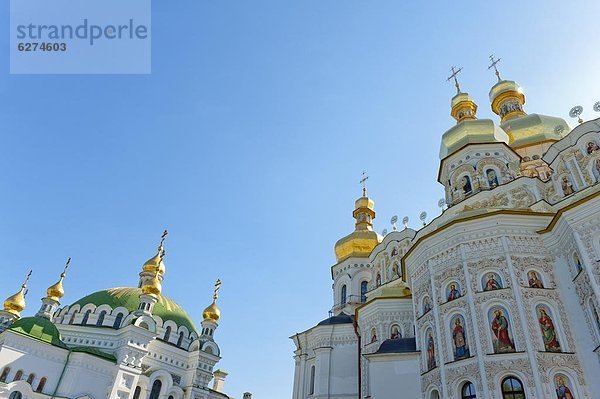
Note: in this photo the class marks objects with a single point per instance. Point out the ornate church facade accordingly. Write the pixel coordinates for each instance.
(498, 297)
(121, 343)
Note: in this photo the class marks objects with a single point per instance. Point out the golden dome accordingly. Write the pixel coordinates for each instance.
(463, 107)
(507, 99)
(471, 131)
(363, 239)
(57, 291)
(212, 312)
(531, 129)
(154, 263)
(152, 286)
(15, 304)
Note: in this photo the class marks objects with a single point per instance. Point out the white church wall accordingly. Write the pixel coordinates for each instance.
(394, 375)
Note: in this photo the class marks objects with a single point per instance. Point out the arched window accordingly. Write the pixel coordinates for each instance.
(167, 334)
(86, 316)
(41, 385)
(4, 374)
(468, 391)
(118, 321)
(137, 392)
(180, 340)
(16, 395)
(171, 397)
(363, 291)
(343, 295)
(435, 394)
(18, 376)
(512, 388)
(311, 389)
(30, 379)
(156, 387)
(100, 320)
(72, 319)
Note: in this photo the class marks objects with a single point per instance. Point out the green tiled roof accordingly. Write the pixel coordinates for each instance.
(129, 298)
(38, 328)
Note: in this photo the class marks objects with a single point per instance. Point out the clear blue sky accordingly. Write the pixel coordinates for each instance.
(247, 142)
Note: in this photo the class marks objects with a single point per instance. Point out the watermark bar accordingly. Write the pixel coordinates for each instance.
(80, 36)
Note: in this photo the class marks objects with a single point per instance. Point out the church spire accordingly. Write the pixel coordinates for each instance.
(462, 105)
(155, 263)
(15, 304)
(53, 295)
(506, 96)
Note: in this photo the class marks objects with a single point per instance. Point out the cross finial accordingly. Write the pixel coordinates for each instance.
(217, 288)
(363, 181)
(454, 75)
(162, 239)
(66, 267)
(27, 279)
(493, 65)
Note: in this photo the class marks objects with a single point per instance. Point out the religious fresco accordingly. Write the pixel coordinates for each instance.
(502, 337)
(548, 329)
(395, 270)
(465, 185)
(567, 186)
(491, 281)
(426, 304)
(492, 178)
(395, 332)
(534, 279)
(378, 280)
(563, 386)
(394, 251)
(373, 335)
(453, 291)
(596, 169)
(592, 147)
(431, 364)
(459, 337)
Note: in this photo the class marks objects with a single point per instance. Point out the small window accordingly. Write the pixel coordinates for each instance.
(137, 392)
(41, 385)
(101, 318)
(167, 334)
(343, 295)
(180, 340)
(156, 387)
(311, 389)
(4, 374)
(512, 388)
(86, 316)
(468, 391)
(30, 379)
(363, 291)
(18, 376)
(72, 319)
(171, 397)
(118, 320)
(16, 395)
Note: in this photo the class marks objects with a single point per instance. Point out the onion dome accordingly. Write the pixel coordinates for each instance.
(15, 304)
(212, 312)
(363, 239)
(152, 286)
(468, 129)
(57, 291)
(523, 130)
(38, 328)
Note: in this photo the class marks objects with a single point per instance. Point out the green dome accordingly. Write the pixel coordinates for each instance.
(129, 298)
(38, 328)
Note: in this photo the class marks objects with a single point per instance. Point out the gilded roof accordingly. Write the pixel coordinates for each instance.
(471, 131)
(534, 128)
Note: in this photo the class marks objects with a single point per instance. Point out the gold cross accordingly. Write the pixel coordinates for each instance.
(27, 278)
(493, 65)
(363, 181)
(217, 288)
(455, 73)
(162, 239)
(66, 267)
